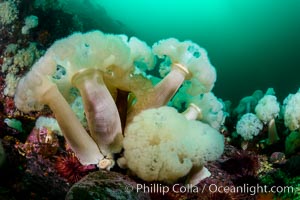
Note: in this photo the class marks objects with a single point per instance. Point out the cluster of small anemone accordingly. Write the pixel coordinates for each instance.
(260, 112)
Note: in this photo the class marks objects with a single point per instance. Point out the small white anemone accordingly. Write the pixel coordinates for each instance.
(249, 126)
(267, 108)
(292, 111)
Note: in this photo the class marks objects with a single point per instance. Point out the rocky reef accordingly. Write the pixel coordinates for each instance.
(91, 114)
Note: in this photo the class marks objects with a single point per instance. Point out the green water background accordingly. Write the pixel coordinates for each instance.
(253, 44)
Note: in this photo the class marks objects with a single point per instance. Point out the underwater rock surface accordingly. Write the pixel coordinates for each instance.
(105, 185)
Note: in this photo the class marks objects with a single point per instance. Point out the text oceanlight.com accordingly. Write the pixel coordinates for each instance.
(212, 188)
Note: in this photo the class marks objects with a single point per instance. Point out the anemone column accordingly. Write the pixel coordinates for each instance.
(162, 92)
(80, 142)
(101, 111)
